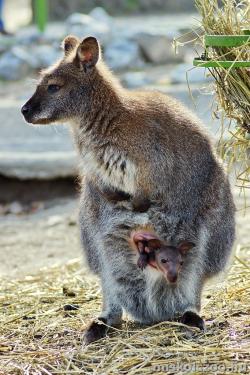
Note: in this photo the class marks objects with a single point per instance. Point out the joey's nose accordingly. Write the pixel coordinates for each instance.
(25, 109)
(172, 277)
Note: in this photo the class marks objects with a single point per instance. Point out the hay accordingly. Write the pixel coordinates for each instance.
(232, 85)
(43, 318)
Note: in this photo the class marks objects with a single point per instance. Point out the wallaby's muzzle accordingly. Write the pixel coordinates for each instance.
(31, 111)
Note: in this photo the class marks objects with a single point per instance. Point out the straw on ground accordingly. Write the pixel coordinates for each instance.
(43, 318)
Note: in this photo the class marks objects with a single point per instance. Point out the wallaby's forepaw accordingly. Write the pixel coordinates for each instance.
(95, 331)
(142, 262)
(141, 204)
(192, 319)
(127, 205)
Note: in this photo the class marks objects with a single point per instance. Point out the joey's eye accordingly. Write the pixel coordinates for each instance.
(181, 263)
(53, 88)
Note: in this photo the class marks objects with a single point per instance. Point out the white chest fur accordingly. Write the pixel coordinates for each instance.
(113, 167)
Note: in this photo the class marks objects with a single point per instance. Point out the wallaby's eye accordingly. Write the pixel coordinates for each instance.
(181, 263)
(164, 260)
(53, 88)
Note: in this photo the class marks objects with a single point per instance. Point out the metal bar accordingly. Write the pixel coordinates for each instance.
(220, 64)
(41, 13)
(226, 40)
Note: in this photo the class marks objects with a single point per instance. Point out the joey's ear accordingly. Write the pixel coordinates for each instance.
(154, 243)
(69, 43)
(185, 246)
(87, 53)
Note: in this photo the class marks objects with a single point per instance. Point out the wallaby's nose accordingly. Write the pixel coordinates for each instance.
(25, 109)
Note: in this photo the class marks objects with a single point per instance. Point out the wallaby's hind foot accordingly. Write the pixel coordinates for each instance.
(95, 331)
(192, 319)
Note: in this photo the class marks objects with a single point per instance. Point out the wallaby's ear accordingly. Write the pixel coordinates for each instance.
(185, 246)
(87, 53)
(69, 43)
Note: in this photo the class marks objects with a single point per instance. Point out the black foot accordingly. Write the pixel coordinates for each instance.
(192, 319)
(95, 331)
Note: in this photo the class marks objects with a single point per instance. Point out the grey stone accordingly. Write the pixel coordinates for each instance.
(79, 19)
(28, 35)
(15, 208)
(99, 30)
(18, 62)
(15, 64)
(54, 32)
(100, 14)
(123, 54)
(157, 48)
(184, 73)
(44, 56)
(136, 79)
(83, 25)
(55, 220)
(6, 42)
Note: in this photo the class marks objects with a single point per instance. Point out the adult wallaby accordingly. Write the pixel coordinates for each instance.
(142, 144)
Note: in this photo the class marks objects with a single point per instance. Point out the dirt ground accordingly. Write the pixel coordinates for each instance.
(47, 237)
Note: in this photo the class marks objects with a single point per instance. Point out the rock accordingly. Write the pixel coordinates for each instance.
(15, 64)
(79, 19)
(3, 209)
(100, 14)
(28, 35)
(150, 76)
(185, 72)
(44, 56)
(6, 42)
(123, 54)
(157, 48)
(99, 30)
(54, 33)
(136, 79)
(83, 25)
(15, 208)
(55, 220)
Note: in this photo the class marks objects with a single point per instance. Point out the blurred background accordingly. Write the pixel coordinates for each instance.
(38, 165)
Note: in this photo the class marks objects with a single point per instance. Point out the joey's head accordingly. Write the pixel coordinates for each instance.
(65, 87)
(170, 259)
